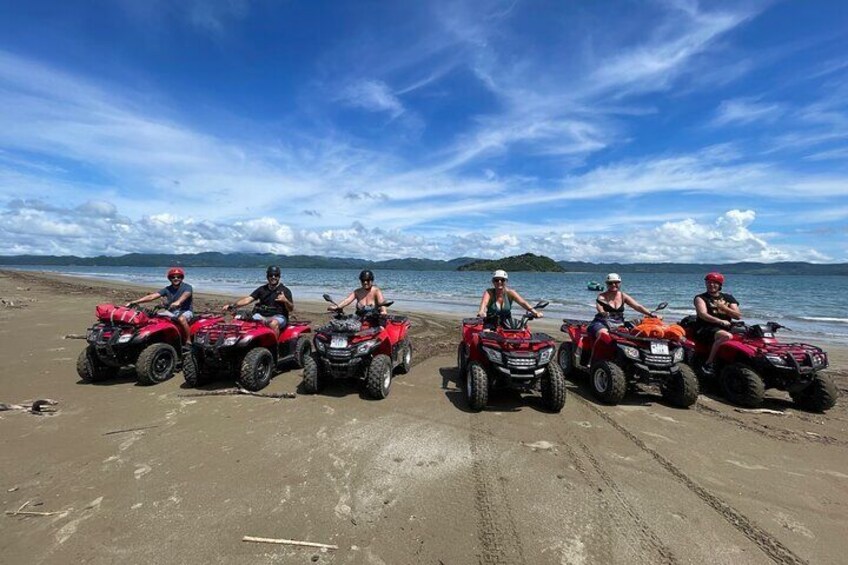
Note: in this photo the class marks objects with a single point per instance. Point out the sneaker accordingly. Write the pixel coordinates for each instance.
(707, 368)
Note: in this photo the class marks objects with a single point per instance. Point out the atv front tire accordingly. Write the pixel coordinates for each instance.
(742, 385)
(404, 357)
(553, 388)
(378, 378)
(565, 358)
(91, 369)
(608, 382)
(313, 379)
(302, 349)
(193, 371)
(256, 369)
(681, 389)
(820, 395)
(461, 364)
(477, 387)
(156, 364)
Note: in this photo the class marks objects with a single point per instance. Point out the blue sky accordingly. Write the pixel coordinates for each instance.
(667, 130)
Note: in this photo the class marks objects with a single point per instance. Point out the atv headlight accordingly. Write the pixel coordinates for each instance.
(320, 345)
(630, 352)
(776, 360)
(125, 338)
(677, 356)
(545, 355)
(494, 355)
(366, 346)
(230, 341)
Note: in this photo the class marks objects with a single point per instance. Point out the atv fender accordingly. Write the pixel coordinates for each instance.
(159, 334)
(732, 351)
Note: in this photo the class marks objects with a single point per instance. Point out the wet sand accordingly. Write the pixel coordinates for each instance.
(146, 474)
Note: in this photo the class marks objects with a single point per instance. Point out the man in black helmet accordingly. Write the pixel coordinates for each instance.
(274, 301)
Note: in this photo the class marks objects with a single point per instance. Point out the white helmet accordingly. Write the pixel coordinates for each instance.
(613, 277)
(500, 274)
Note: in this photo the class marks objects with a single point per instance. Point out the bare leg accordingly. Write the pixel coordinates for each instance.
(720, 337)
(274, 325)
(186, 329)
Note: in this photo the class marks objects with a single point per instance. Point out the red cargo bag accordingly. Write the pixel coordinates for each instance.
(120, 315)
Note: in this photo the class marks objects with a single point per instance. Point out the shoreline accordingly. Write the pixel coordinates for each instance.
(445, 308)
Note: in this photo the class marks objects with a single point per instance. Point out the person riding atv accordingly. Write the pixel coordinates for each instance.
(716, 311)
(496, 303)
(368, 296)
(178, 298)
(275, 301)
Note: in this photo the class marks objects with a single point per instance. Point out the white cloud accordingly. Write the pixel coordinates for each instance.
(374, 96)
(743, 111)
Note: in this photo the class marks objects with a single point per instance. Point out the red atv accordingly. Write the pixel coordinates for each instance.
(367, 346)
(753, 360)
(508, 355)
(150, 339)
(630, 355)
(247, 349)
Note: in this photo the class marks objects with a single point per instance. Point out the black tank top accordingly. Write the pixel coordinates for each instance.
(614, 313)
(711, 307)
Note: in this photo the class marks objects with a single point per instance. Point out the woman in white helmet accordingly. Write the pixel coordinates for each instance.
(610, 306)
(497, 301)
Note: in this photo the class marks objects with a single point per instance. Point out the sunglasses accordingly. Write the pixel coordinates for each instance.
(273, 276)
(498, 280)
(175, 278)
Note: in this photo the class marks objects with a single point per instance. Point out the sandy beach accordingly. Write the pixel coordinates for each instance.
(133, 474)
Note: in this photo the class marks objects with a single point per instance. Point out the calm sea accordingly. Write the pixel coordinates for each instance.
(811, 306)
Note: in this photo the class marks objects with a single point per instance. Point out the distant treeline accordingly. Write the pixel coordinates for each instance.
(262, 260)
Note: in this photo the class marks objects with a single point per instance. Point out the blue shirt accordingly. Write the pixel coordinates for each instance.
(173, 293)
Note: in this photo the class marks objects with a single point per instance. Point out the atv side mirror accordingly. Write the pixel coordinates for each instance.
(661, 306)
(541, 304)
(386, 304)
(328, 299)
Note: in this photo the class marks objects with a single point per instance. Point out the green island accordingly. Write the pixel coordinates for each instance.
(527, 262)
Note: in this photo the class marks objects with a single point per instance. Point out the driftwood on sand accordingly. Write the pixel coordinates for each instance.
(237, 391)
(41, 406)
(21, 512)
(289, 542)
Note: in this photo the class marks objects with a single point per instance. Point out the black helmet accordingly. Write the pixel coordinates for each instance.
(272, 270)
(366, 275)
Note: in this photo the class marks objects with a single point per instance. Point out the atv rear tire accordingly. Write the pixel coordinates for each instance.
(378, 378)
(313, 379)
(256, 369)
(461, 363)
(91, 369)
(681, 390)
(193, 371)
(477, 387)
(553, 388)
(156, 364)
(820, 395)
(302, 349)
(565, 358)
(742, 385)
(404, 357)
(608, 382)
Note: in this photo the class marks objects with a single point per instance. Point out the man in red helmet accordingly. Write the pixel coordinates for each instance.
(716, 310)
(177, 297)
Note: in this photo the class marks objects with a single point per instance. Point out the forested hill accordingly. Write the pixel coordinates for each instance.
(526, 262)
(262, 260)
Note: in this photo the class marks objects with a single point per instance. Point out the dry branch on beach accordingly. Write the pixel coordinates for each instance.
(289, 542)
(237, 391)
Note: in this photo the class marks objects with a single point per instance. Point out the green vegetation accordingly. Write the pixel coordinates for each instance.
(527, 262)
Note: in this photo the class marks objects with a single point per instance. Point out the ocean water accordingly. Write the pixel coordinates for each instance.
(815, 307)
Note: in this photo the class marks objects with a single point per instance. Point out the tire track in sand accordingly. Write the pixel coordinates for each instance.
(496, 529)
(642, 535)
(769, 544)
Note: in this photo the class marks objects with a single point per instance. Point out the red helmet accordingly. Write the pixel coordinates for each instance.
(715, 277)
(175, 271)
